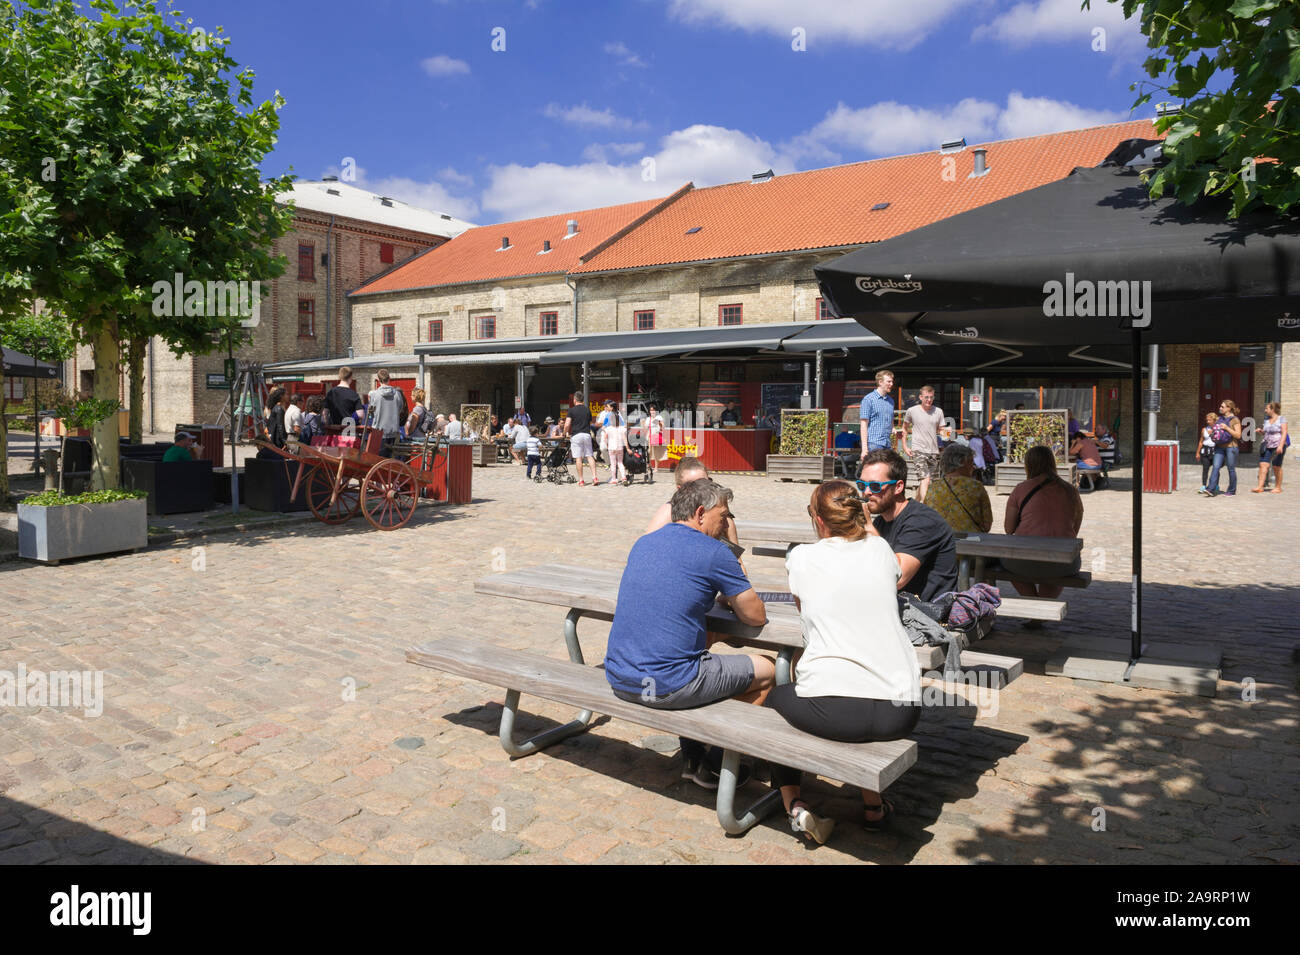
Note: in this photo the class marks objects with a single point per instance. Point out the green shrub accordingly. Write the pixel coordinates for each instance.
(1029, 428)
(804, 432)
(54, 499)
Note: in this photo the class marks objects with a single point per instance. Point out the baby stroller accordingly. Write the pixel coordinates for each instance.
(557, 463)
(634, 460)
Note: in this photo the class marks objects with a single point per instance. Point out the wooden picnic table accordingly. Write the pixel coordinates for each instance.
(588, 592)
(973, 549)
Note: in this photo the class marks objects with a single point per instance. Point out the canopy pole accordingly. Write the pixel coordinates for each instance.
(586, 383)
(1155, 371)
(818, 402)
(1136, 624)
(36, 427)
(622, 408)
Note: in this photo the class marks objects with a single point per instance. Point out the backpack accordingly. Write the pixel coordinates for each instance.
(311, 427)
(973, 612)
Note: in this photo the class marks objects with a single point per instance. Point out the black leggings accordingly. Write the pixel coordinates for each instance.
(845, 719)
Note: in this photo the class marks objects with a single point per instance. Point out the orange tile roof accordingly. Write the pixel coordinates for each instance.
(476, 255)
(826, 208)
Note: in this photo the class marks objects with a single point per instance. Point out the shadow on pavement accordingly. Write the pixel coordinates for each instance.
(32, 836)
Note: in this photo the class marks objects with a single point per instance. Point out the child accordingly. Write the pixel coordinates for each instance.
(1205, 450)
(533, 449)
(615, 442)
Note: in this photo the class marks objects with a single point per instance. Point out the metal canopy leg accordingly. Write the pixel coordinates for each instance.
(727, 799)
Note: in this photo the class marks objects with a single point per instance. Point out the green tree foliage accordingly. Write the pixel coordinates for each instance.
(1225, 62)
(127, 156)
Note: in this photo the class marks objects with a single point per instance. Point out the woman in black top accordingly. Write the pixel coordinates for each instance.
(275, 431)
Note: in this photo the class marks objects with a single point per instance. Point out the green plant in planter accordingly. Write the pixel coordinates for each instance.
(59, 499)
(1028, 429)
(81, 414)
(804, 432)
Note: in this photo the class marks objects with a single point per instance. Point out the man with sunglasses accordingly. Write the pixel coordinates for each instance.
(921, 539)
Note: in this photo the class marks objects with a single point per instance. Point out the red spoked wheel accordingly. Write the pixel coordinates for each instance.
(388, 495)
(320, 489)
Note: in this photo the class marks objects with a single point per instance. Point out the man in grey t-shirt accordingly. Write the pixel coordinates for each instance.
(453, 431)
(922, 423)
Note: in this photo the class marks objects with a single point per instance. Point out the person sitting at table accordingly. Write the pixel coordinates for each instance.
(453, 429)
(182, 449)
(519, 437)
(957, 496)
(857, 680)
(922, 540)
(1085, 450)
(691, 469)
(553, 428)
(730, 414)
(658, 654)
(1042, 505)
(847, 439)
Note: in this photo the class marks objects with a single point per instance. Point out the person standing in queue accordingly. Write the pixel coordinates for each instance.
(577, 428)
(877, 415)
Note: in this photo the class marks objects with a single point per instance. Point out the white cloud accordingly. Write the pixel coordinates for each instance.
(584, 115)
(459, 178)
(1037, 115)
(1062, 21)
(625, 56)
(600, 152)
(890, 128)
(891, 24)
(705, 155)
(442, 65)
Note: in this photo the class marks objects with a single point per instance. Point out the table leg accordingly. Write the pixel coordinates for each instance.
(727, 799)
(963, 573)
(783, 665)
(554, 735)
(979, 569)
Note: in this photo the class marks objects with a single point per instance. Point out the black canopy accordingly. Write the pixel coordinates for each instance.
(988, 274)
(18, 365)
(1087, 260)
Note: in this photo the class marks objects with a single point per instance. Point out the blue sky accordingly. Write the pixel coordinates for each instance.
(592, 103)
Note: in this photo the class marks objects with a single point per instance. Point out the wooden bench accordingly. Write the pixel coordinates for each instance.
(998, 575)
(594, 593)
(734, 726)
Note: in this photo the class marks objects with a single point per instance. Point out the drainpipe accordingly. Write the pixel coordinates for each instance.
(152, 416)
(574, 286)
(1277, 371)
(329, 266)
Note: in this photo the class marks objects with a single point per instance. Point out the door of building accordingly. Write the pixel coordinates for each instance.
(1225, 377)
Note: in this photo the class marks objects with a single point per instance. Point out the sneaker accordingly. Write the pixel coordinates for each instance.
(1230, 493)
(582, 484)
(815, 827)
(698, 772)
(1201, 490)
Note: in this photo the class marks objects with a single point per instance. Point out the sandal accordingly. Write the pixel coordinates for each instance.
(886, 810)
(814, 828)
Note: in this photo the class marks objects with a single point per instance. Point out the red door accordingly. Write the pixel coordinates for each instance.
(1224, 377)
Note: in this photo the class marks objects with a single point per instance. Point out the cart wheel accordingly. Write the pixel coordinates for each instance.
(388, 495)
(320, 488)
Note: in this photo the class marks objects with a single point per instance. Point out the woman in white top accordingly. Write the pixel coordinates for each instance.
(654, 433)
(857, 680)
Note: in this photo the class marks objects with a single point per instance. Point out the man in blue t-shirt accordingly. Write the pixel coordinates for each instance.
(658, 646)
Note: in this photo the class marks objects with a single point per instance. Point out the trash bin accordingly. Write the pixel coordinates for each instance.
(1160, 467)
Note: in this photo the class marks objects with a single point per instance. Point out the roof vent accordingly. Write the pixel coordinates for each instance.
(385, 200)
(1167, 109)
(546, 247)
(953, 145)
(880, 207)
(505, 243)
(571, 228)
(763, 176)
(694, 229)
(981, 163)
(329, 178)
(445, 216)
(334, 192)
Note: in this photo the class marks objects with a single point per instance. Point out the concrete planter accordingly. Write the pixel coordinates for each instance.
(52, 534)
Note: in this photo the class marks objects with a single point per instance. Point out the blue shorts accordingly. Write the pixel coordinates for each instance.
(1272, 456)
(718, 678)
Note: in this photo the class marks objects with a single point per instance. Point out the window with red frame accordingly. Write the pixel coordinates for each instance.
(549, 323)
(306, 318)
(644, 321)
(730, 314)
(435, 330)
(388, 335)
(486, 326)
(823, 313)
(386, 252)
(306, 261)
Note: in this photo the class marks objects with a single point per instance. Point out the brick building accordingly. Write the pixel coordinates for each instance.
(341, 236)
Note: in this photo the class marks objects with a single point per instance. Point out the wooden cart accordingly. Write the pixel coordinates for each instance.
(339, 482)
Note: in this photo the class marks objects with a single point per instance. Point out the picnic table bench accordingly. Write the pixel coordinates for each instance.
(973, 552)
(734, 726)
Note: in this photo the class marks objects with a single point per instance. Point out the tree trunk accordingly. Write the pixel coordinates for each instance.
(135, 371)
(107, 352)
(4, 443)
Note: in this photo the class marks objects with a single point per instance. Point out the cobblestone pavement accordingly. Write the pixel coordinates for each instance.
(258, 708)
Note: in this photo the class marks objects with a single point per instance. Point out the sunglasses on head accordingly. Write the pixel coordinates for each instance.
(873, 487)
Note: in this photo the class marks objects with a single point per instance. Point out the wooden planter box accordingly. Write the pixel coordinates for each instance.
(1007, 476)
(801, 467)
(52, 534)
(483, 454)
